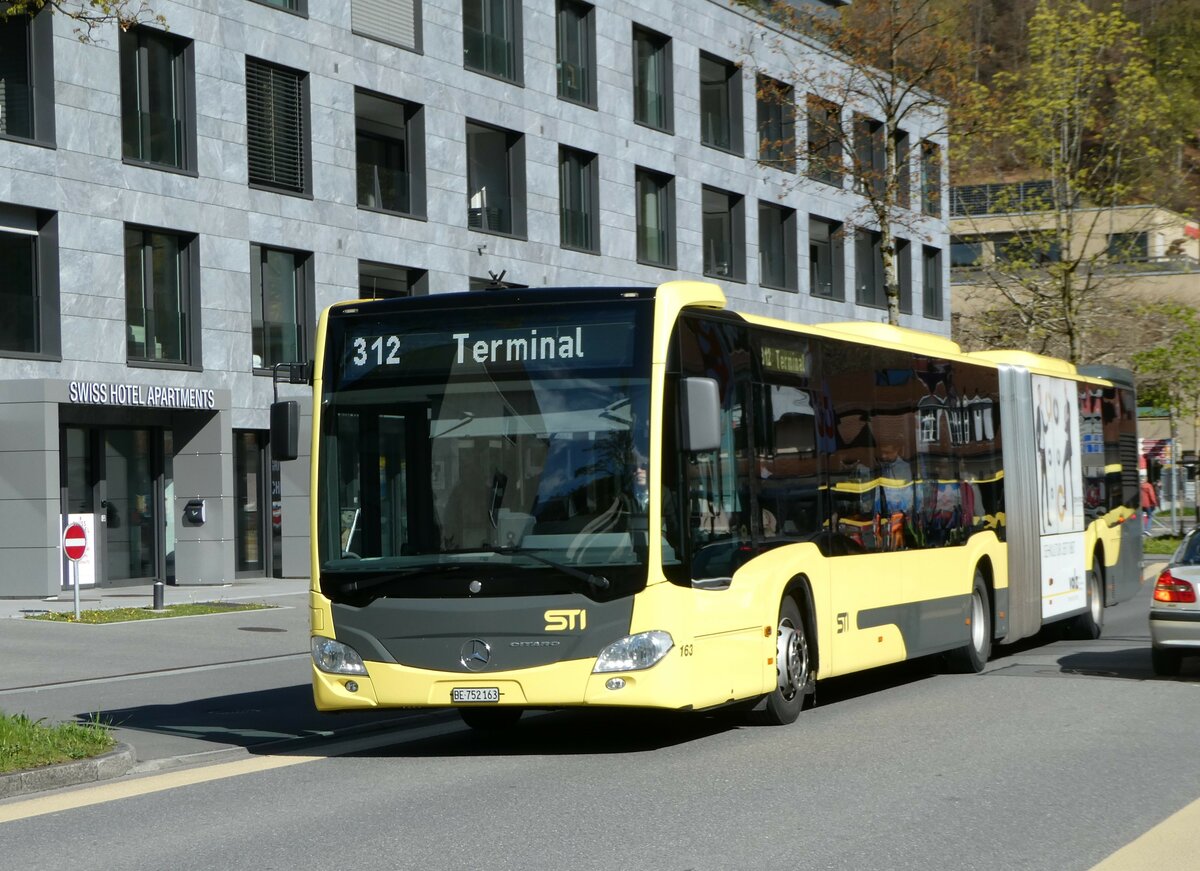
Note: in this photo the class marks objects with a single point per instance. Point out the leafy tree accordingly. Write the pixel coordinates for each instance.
(89, 15)
(1088, 119)
(1168, 367)
(875, 70)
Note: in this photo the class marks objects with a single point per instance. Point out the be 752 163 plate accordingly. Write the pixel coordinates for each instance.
(476, 695)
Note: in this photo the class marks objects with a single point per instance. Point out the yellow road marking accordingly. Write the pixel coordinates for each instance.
(119, 789)
(115, 790)
(1170, 844)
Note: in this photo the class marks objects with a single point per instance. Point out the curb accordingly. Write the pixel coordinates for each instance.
(115, 763)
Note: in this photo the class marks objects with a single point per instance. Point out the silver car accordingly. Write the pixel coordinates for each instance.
(1175, 609)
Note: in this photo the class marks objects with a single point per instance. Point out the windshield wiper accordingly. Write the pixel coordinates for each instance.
(371, 581)
(599, 582)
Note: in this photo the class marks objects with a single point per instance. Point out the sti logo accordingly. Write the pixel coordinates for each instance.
(560, 621)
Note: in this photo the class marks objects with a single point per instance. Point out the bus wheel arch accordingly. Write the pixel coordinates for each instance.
(972, 657)
(795, 660)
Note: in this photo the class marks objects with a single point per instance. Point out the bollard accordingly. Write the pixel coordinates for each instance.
(159, 589)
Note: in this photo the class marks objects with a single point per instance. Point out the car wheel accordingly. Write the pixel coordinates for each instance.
(1166, 662)
(972, 657)
(793, 668)
(490, 719)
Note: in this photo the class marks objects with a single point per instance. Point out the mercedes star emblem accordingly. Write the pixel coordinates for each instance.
(475, 655)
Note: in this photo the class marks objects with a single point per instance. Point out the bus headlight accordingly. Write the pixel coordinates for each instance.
(634, 652)
(333, 657)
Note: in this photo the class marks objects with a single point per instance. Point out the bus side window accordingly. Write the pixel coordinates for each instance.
(788, 493)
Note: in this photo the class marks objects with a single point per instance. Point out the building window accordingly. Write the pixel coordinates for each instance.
(300, 7)
(720, 104)
(281, 300)
(1129, 247)
(29, 291)
(903, 173)
(157, 100)
(931, 263)
(824, 141)
(277, 127)
(931, 178)
(870, 159)
(396, 22)
(965, 251)
(655, 218)
(492, 37)
(904, 274)
(826, 267)
(27, 77)
(776, 124)
(868, 269)
(576, 52)
(579, 196)
(390, 154)
(160, 317)
(652, 79)
(1030, 248)
(495, 180)
(724, 234)
(777, 246)
(384, 281)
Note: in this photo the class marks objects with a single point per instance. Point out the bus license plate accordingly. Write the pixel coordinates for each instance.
(475, 694)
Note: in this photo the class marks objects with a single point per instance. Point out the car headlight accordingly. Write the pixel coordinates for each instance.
(634, 652)
(333, 657)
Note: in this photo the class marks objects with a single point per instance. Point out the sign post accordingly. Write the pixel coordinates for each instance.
(74, 543)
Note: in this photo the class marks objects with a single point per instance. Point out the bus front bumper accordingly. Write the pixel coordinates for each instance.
(562, 684)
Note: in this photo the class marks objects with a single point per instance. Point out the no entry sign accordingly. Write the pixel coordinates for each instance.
(74, 542)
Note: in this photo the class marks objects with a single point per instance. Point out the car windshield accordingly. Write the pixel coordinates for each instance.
(1189, 552)
(517, 443)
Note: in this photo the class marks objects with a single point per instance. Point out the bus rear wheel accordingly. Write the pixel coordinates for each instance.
(972, 657)
(1090, 623)
(793, 668)
(490, 719)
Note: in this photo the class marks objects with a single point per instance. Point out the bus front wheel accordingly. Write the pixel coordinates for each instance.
(972, 657)
(793, 665)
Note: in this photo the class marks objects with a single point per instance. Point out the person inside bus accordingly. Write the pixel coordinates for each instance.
(895, 488)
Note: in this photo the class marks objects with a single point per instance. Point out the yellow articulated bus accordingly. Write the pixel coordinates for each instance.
(636, 497)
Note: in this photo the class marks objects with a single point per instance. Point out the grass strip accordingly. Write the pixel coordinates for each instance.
(122, 615)
(26, 743)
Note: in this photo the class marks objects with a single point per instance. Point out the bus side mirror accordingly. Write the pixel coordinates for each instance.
(701, 414)
(285, 430)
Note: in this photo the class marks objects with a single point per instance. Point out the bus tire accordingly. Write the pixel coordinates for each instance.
(793, 668)
(1090, 623)
(490, 719)
(972, 657)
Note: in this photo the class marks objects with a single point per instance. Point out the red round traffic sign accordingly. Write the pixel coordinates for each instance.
(74, 541)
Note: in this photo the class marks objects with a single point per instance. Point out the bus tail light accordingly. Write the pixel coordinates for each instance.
(333, 657)
(634, 652)
(1172, 589)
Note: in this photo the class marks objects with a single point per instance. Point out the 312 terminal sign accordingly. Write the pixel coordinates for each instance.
(576, 345)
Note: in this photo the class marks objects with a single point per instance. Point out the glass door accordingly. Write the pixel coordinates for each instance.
(249, 505)
(131, 505)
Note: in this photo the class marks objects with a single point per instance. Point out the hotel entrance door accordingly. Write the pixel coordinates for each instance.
(122, 477)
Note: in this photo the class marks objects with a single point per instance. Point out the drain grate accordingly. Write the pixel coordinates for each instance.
(260, 629)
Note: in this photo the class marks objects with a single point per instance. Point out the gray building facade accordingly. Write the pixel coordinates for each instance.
(177, 205)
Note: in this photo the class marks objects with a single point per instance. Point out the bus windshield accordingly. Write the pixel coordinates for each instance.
(513, 441)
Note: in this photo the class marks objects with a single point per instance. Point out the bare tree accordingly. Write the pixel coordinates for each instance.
(872, 73)
(89, 15)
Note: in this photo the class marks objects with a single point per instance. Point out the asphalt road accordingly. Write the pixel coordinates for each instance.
(1058, 755)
